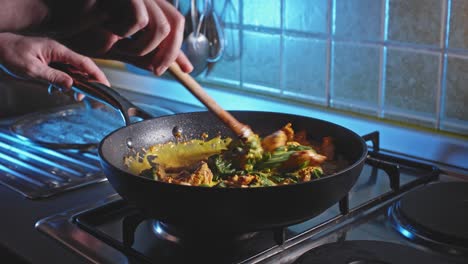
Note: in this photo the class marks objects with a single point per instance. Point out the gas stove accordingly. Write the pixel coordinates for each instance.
(403, 209)
(111, 231)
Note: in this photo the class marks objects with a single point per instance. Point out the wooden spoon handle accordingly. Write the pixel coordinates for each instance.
(195, 88)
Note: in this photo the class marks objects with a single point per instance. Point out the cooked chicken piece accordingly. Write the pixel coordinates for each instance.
(306, 173)
(278, 138)
(274, 141)
(299, 158)
(202, 175)
(160, 172)
(240, 181)
(301, 138)
(246, 179)
(287, 181)
(288, 130)
(328, 148)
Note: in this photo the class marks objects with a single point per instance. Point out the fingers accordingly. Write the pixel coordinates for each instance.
(157, 29)
(169, 49)
(80, 62)
(55, 77)
(127, 17)
(184, 63)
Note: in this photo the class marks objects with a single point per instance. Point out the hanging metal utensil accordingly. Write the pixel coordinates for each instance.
(214, 32)
(196, 46)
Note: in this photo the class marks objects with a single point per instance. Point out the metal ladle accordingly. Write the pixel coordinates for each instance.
(214, 32)
(196, 46)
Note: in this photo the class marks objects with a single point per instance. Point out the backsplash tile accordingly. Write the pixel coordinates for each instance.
(355, 77)
(301, 76)
(306, 16)
(415, 21)
(271, 10)
(411, 85)
(455, 111)
(458, 35)
(227, 70)
(359, 20)
(379, 58)
(261, 61)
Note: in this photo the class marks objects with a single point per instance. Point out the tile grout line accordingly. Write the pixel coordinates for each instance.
(241, 43)
(442, 86)
(414, 47)
(281, 62)
(383, 59)
(384, 44)
(330, 65)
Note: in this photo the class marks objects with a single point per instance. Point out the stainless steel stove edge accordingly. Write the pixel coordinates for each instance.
(61, 228)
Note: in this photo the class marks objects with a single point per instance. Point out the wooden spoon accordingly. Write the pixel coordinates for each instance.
(241, 130)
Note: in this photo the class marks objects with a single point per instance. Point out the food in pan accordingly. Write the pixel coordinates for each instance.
(284, 157)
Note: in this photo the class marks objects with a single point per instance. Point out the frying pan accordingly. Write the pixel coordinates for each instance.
(218, 210)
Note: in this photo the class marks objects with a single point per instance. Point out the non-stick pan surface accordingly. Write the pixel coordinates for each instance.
(229, 209)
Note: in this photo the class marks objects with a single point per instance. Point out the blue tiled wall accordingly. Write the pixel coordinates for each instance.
(401, 60)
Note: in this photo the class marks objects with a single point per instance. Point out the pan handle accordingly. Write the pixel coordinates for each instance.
(103, 94)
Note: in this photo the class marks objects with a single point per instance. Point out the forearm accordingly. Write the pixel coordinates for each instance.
(22, 15)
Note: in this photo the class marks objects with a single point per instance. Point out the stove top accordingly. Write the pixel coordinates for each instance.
(440, 225)
(111, 231)
(367, 251)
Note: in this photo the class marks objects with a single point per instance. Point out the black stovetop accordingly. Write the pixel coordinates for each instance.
(363, 215)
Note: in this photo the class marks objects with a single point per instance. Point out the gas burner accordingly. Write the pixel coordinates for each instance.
(192, 238)
(435, 215)
(367, 252)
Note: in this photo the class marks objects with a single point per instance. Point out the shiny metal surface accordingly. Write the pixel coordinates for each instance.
(39, 172)
(61, 228)
(19, 97)
(196, 46)
(77, 126)
(53, 145)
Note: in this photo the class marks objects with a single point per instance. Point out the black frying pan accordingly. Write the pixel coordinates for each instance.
(228, 210)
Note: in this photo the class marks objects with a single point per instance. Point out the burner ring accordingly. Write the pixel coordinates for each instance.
(368, 252)
(180, 236)
(434, 215)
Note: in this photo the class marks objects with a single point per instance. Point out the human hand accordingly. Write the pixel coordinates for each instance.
(147, 33)
(101, 47)
(29, 58)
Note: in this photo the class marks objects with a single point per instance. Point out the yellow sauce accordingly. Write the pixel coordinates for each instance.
(176, 155)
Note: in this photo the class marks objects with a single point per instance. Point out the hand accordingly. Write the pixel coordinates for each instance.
(29, 58)
(123, 29)
(101, 46)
